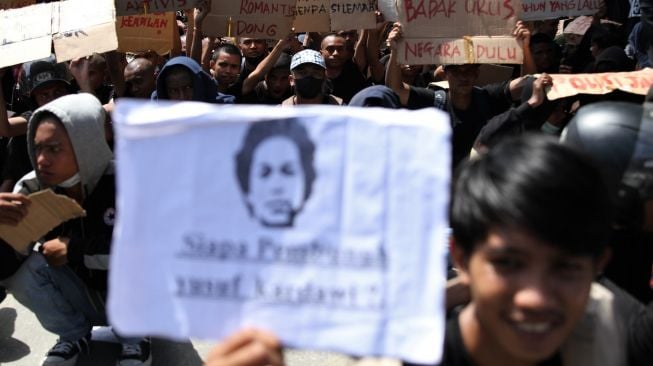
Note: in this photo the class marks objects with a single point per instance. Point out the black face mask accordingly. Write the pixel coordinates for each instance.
(308, 87)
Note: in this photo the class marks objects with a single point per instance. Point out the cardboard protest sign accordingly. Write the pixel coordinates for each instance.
(576, 29)
(139, 7)
(456, 32)
(456, 19)
(566, 85)
(46, 211)
(13, 4)
(276, 18)
(82, 27)
(26, 34)
(146, 32)
(334, 15)
(553, 9)
(260, 19)
(315, 221)
(474, 50)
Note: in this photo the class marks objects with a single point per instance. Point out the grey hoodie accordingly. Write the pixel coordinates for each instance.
(83, 117)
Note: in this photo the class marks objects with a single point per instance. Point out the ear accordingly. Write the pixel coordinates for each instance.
(460, 260)
(291, 80)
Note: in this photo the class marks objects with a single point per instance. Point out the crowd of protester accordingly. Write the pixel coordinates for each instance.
(536, 235)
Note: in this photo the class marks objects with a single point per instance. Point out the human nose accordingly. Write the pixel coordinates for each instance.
(42, 160)
(535, 295)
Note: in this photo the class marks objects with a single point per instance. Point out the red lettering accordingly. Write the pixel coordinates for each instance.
(577, 83)
(507, 4)
(243, 29)
(418, 9)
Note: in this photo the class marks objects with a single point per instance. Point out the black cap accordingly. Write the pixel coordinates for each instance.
(43, 72)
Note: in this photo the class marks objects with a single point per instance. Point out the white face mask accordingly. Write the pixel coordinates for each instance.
(70, 182)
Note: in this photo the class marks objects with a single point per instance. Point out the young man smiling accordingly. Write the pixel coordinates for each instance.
(530, 221)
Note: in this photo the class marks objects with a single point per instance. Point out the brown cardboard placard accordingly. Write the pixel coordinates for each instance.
(260, 19)
(276, 18)
(553, 9)
(26, 34)
(490, 74)
(46, 211)
(456, 19)
(312, 16)
(82, 27)
(353, 14)
(137, 7)
(146, 32)
(13, 4)
(468, 50)
(566, 85)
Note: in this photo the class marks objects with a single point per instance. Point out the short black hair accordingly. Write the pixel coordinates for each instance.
(259, 132)
(535, 184)
(229, 49)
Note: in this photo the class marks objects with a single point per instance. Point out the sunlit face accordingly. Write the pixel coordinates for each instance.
(227, 68)
(334, 51)
(140, 81)
(46, 94)
(527, 296)
(276, 182)
(252, 47)
(179, 85)
(55, 157)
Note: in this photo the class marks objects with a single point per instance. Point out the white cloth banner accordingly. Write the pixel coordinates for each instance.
(325, 225)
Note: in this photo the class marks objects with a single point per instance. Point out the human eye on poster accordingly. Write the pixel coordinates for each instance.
(323, 225)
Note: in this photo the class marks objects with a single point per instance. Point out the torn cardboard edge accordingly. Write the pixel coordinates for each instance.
(567, 85)
(46, 211)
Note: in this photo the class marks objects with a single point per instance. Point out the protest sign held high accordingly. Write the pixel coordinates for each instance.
(138, 7)
(456, 32)
(146, 32)
(313, 221)
(273, 18)
(26, 34)
(82, 27)
(553, 9)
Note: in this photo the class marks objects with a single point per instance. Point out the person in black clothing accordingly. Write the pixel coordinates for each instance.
(470, 107)
(345, 76)
(530, 224)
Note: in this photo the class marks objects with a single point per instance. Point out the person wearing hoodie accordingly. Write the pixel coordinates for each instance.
(182, 78)
(64, 279)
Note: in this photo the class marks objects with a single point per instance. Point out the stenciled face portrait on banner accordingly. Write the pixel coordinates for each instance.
(275, 171)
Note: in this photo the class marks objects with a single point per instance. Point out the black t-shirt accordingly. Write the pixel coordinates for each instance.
(487, 102)
(455, 353)
(349, 82)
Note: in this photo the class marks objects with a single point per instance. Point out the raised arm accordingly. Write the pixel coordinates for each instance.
(360, 51)
(393, 71)
(523, 36)
(377, 69)
(203, 9)
(266, 64)
(13, 126)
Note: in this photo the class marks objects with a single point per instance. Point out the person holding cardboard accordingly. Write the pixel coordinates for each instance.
(64, 280)
(469, 106)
